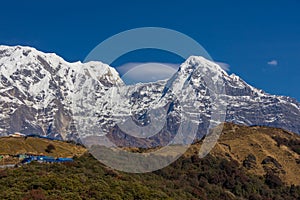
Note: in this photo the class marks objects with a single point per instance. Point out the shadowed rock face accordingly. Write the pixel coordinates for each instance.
(37, 90)
(249, 106)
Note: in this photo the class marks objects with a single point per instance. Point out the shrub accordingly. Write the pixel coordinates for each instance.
(50, 148)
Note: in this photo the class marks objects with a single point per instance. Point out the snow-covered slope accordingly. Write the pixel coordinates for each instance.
(36, 89)
(39, 92)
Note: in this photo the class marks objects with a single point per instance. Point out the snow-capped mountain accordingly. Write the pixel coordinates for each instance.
(43, 94)
(35, 90)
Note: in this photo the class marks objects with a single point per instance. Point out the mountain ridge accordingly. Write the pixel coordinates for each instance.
(37, 90)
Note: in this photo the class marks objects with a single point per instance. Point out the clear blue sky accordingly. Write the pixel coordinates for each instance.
(245, 34)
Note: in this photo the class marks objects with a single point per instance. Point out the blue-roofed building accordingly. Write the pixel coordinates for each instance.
(64, 160)
(45, 159)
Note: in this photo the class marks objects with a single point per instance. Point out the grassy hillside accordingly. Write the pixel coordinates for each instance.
(261, 150)
(255, 163)
(38, 146)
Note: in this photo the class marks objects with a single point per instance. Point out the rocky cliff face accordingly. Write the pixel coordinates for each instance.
(43, 94)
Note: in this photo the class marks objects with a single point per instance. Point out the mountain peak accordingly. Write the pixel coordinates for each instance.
(194, 62)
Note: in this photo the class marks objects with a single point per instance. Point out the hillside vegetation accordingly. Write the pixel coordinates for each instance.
(255, 163)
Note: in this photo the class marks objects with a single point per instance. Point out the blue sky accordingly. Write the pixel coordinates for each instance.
(245, 34)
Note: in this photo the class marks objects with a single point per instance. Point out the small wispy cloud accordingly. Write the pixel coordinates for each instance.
(224, 66)
(273, 63)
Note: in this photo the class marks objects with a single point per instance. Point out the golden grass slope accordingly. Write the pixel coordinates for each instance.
(237, 142)
(38, 146)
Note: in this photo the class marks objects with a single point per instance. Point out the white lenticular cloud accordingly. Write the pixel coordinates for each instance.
(273, 63)
(146, 72)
